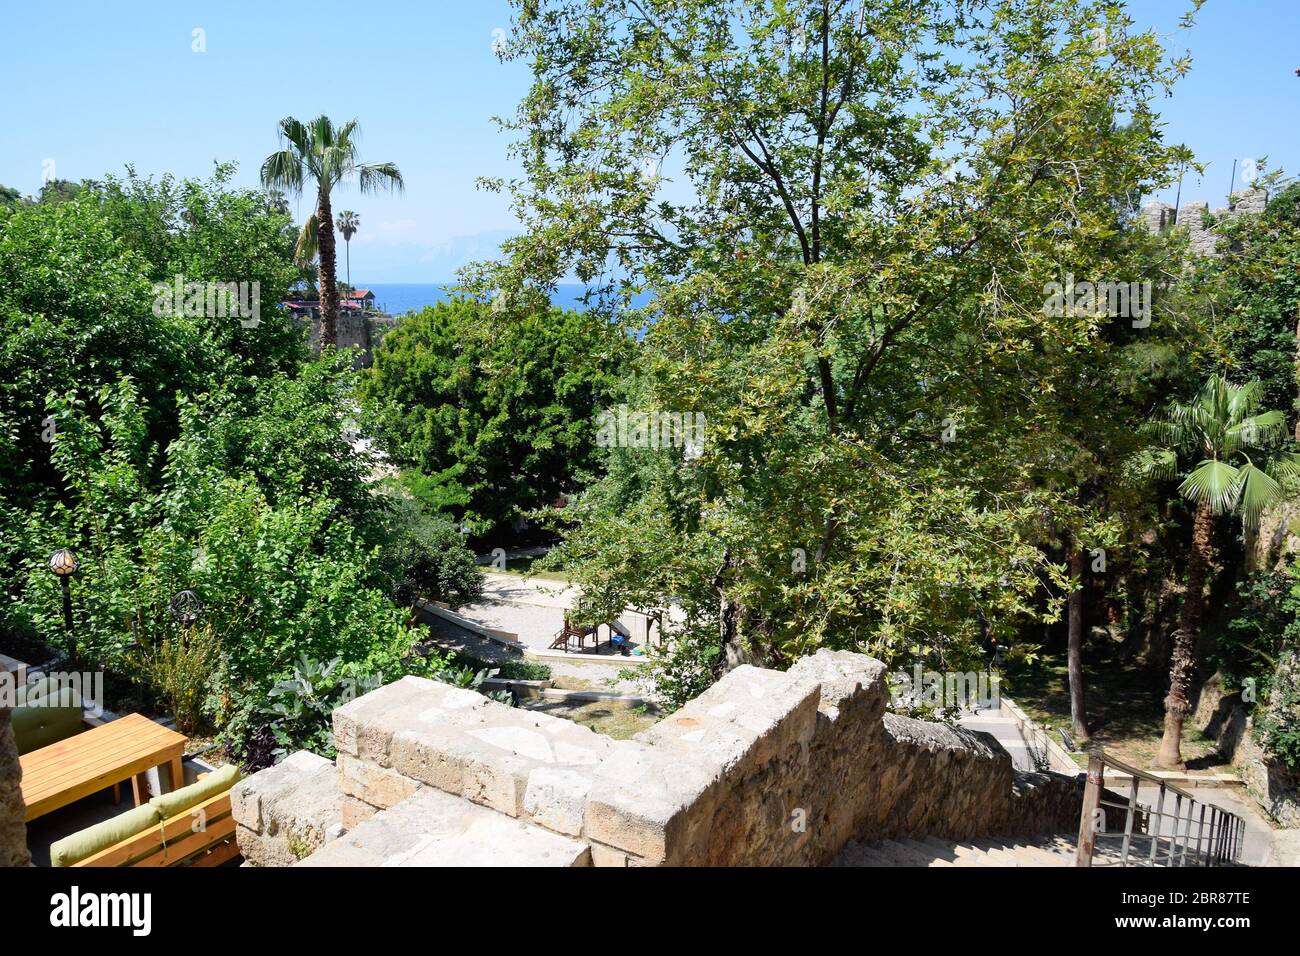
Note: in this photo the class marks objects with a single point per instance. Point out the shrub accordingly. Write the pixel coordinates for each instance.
(179, 668)
(1278, 729)
(426, 557)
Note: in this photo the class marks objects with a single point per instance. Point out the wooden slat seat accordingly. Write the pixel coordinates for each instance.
(202, 836)
(87, 763)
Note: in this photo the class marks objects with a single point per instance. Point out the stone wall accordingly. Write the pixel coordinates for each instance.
(764, 768)
(363, 332)
(1225, 719)
(287, 812)
(13, 831)
(1192, 216)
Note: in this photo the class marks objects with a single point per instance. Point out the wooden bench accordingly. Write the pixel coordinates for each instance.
(123, 749)
(203, 836)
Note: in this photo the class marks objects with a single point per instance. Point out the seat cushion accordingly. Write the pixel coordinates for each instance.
(86, 843)
(33, 690)
(178, 801)
(47, 720)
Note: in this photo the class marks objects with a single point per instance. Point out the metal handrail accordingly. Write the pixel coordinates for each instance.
(1219, 833)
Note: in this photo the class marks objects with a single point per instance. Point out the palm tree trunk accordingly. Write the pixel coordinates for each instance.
(1078, 701)
(1182, 668)
(13, 832)
(329, 289)
(347, 251)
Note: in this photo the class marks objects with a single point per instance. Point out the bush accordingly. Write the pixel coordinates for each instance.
(179, 668)
(426, 558)
(1278, 730)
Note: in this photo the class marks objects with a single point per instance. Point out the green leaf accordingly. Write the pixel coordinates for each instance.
(1212, 483)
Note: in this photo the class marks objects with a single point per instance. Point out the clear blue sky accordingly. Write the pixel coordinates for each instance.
(93, 85)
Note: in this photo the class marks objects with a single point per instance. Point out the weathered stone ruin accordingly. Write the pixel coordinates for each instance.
(1192, 216)
(765, 768)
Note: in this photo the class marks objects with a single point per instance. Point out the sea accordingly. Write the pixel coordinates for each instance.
(398, 298)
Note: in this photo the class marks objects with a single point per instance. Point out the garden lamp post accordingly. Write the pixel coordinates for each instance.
(186, 608)
(63, 564)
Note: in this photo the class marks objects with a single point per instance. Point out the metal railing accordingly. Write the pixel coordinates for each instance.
(1194, 833)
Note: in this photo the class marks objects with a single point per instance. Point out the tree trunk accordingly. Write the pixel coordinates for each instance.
(13, 831)
(731, 654)
(1078, 702)
(1182, 667)
(329, 289)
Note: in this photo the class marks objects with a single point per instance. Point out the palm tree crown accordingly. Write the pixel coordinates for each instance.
(1241, 464)
(324, 153)
(348, 222)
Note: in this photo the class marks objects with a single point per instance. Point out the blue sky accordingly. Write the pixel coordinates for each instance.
(93, 86)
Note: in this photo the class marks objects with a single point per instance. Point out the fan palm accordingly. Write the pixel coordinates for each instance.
(325, 154)
(1239, 470)
(348, 223)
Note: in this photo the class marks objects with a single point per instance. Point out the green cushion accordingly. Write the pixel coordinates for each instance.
(33, 690)
(86, 843)
(41, 722)
(178, 801)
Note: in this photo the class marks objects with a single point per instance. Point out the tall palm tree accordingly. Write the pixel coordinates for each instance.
(321, 152)
(1240, 469)
(348, 223)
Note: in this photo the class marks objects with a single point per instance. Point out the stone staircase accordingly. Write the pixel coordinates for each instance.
(1050, 850)
(986, 851)
(1006, 731)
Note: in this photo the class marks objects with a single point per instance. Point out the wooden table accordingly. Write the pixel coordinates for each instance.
(122, 749)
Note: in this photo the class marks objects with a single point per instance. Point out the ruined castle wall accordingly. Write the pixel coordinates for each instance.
(765, 768)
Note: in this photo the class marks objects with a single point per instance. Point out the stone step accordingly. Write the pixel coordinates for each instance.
(432, 828)
(903, 855)
(930, 851)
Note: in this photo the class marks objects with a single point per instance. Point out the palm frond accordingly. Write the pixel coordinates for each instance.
(1256, 431)
(1158, 464)
(1212, 483)
(1256, 491)
(308, 241)
(1284, 466)
(1242, 400)
(336, 161)
(381, 176)
(296, 135)
(283, 170)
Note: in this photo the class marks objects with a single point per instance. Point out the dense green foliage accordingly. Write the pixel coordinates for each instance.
(175, 452)
(1258, 289)
(847, 236)
(495, 416)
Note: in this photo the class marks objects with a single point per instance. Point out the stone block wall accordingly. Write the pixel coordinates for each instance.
(363, 332)
(764, 768)
(1202, 240)
(287, 812)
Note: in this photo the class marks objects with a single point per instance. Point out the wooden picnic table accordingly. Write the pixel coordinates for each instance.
(103, 757)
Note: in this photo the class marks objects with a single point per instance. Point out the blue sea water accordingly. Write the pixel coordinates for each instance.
(398, 298)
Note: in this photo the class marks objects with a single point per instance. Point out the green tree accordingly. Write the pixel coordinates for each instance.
(845, 216)
(321, 153)
(1238, 469)
(1256, 285)
(498, 415)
